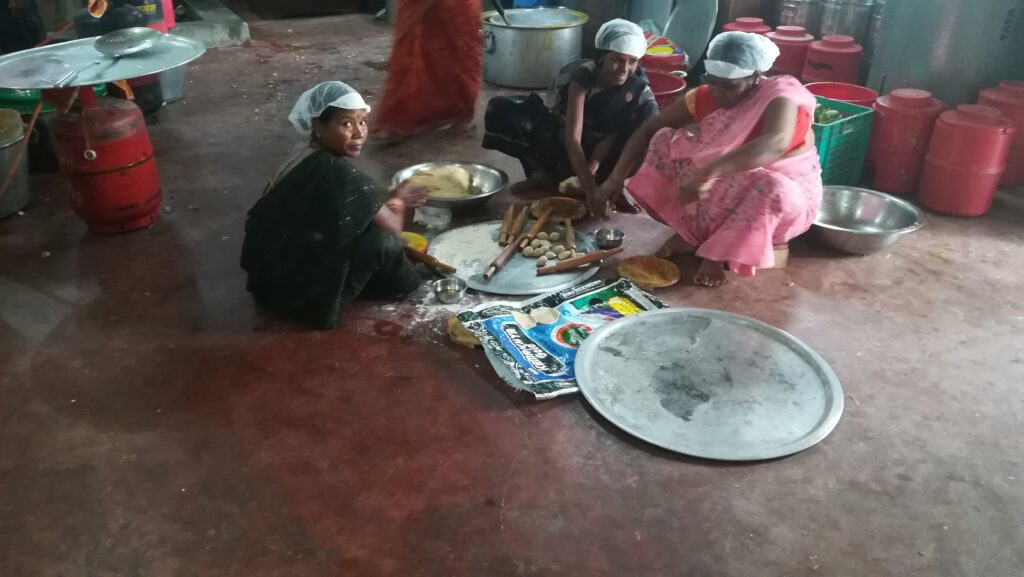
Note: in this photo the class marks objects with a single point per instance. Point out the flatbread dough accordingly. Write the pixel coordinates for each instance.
(445, 182)
(545, 315)
(649, 272)
(524, 320)
(459, 335)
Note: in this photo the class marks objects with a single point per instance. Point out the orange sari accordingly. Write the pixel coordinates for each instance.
(435, 67)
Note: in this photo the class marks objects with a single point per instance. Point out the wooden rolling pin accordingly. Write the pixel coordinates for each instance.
(502, 259)
(570, 237)
(579, 261)
(428, 260)
(517, 225)
(537, 227)
(506, 224)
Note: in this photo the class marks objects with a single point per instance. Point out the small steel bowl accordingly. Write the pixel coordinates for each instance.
(607, 238)
(861, 221)
(488, 181)
(449, 290)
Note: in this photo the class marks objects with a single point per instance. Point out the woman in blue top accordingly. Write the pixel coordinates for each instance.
(600, 105)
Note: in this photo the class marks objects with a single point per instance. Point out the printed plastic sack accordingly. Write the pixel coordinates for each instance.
(536, 343)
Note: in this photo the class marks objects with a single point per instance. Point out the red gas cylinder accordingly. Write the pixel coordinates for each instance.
(753, 25)
(106, 154)
(902, 128)
(966, 158)
(793, 42)
(1009, 98)
(834, 58)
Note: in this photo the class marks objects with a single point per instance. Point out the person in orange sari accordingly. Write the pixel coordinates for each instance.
(435, 69)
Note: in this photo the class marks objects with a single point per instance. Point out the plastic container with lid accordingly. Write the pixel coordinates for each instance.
(748, 24)
(793, 42)
(1009, 98)
(834, 58)
(902, 128)
(965, 160)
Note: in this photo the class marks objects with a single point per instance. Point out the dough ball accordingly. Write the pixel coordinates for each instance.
(564, 255)
(569, 185)
(545, 243)
(550, 255)
(545, 315)
(537, 243)
(542, 262)
(524, 320)
(528, 252)
(542, 236)
(558, 248)
(554, 236)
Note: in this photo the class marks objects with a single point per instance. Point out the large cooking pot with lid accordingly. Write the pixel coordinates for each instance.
(529, 51)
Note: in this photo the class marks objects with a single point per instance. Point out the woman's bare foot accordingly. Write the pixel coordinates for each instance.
(673, 246)
(462, 126)
(532, 182)
(710, 274)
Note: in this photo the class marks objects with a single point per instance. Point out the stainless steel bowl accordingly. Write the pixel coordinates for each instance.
(862, 221)
(487, 179)
(607, 238)
(449, 290)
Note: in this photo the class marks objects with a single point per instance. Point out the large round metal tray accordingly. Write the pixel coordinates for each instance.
(709, 384)
(40, 68)
(470, 249)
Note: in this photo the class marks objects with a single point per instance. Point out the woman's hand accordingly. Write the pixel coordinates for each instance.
(692, 188)
(606, 193)
(413, 196)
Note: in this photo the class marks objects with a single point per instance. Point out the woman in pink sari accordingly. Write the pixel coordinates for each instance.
(732, 168)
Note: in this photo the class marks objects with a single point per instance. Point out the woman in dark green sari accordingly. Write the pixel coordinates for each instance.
(324, 233)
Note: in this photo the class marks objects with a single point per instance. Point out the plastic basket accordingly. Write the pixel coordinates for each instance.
(843, 145)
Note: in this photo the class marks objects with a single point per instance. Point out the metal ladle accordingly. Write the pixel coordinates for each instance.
(501, 11)
(115, 45)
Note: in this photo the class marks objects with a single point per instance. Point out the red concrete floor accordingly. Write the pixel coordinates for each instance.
(154, 423)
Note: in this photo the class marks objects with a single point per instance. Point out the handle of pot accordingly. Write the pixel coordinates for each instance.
(678, 74)
(489, 42)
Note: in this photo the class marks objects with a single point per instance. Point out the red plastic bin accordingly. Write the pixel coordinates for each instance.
(667, 87)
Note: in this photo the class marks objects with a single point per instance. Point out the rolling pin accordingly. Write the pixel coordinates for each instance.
(502, 259)
(506, 224)
(537, 227)
(428, 260)
(517, 225)
(579, 261)
(570, 237)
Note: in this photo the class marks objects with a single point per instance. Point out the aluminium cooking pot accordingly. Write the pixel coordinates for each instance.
(529, 51)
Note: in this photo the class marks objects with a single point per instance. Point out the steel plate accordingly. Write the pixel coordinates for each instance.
(470, 249)
(709, 384)
(40, 68)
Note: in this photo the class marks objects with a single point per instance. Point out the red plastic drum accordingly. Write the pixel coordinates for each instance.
(965, 160)
(902, 128)
(834, 58)
(108, 159)
(793, 42)
(753, 25)
(1009, 98)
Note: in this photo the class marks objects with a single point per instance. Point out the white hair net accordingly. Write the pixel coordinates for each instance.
(314, 101)
(740, 54)
(621, 36)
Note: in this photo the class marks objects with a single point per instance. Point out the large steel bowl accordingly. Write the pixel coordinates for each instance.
(861, 221)
(486, 179)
